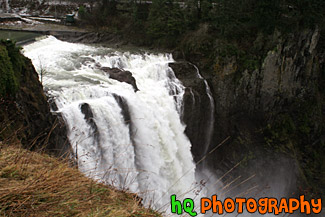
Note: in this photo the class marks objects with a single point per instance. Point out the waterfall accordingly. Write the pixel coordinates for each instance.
(210, 124)
(132, 140)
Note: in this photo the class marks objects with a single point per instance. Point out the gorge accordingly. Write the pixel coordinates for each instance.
(135, 140)
(215, 109)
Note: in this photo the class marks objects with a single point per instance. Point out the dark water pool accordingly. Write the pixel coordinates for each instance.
(19, 37)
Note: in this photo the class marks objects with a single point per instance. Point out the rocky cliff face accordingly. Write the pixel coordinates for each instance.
(289, 71)
(272, 113)
(277, 108)
(25, 115)
(197, 108)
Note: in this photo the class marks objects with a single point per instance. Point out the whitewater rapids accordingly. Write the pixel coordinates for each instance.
(148, 154)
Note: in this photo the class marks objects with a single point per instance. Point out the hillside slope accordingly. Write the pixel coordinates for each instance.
(35, 184)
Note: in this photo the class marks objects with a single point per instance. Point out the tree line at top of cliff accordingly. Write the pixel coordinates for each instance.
(231, 19)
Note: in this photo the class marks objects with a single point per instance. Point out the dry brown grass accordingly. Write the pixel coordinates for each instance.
(34, 184)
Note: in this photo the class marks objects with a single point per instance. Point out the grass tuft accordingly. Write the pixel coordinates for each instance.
(35, 184)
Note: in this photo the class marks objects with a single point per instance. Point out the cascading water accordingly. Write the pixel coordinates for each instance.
(147, 151)
(132, 140)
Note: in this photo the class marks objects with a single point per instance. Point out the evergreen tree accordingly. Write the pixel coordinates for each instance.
(165, 19)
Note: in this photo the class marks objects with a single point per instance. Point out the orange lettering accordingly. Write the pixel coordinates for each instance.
(283, 206)
(251, 205)
(205, 205)
(240, 202)
(262, 202)
(291, 207)
(229, 205)
(216, 203)
(273, 205)
(304, 204)
(317, 208)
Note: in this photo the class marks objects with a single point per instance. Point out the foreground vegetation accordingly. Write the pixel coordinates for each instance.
(35, 184)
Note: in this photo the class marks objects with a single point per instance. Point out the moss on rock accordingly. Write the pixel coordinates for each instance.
(8, 77)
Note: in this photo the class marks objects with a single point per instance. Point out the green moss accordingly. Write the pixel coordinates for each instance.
(17, 60)
(11, 65)
(8, 80)
(249, 62)
(245, 59)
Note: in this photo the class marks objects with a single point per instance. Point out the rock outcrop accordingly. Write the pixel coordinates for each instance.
(25, 115)
(89, 117)
(121, 75)
(196, 105)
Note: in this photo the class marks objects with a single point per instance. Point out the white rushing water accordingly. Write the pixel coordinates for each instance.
(132, 140)
(148, 154)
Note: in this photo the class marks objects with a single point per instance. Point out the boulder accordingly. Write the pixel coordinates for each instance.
(121, 75)
(89, 117)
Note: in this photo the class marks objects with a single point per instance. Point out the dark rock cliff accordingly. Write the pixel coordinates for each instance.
(277, 109)
(274, 114)
(24, 113)
(196, 107)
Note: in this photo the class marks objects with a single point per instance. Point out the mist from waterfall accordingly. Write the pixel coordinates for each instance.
(131, 140)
